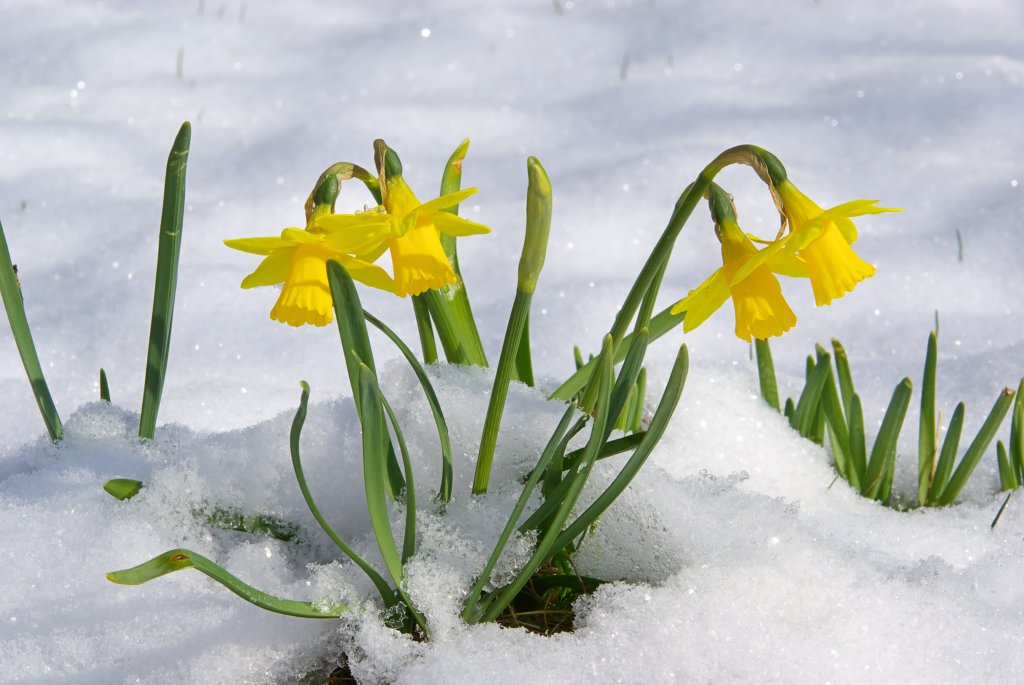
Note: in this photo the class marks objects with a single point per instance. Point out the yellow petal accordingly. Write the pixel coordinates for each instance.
(703, 301)
(453, 225)
(272, 270)
(445, 201)
(419, 262)
(370, 274)
(360, 239)
(263, 246)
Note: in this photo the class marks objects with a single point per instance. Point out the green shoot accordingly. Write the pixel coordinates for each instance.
(166, 281)
(104, 387)
(10, 289)
(766, 374)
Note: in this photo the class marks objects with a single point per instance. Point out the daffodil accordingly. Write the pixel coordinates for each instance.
(761, 311)
(822, 238)
(298, 259)
(417, 257)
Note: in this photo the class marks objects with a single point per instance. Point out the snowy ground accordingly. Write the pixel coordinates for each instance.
(746, 566)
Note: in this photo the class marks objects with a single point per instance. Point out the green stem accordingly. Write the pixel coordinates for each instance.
(15, 306)
(502, 378)
(426, 331)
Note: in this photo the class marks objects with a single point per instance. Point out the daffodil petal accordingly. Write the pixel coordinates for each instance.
(272, 270)
(757, 260)
(787, 264)
(453, 225)
(369, 274)
(263, 246)
(703, 301)
(361, 239)
(296, 236)
(445, 201)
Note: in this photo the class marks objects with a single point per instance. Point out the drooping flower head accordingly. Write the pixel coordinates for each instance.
(418, 260)
(761, 311)
(822, 238)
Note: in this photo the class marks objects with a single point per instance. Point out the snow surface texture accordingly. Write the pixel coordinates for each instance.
(743, 565)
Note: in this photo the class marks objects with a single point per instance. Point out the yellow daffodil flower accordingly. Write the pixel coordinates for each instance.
(822, 238)
(417, 257)
(298, 258)
(761, 311)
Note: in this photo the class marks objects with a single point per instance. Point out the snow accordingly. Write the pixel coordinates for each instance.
(742, 561)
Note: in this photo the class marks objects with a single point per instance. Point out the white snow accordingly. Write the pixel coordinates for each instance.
(740, 563)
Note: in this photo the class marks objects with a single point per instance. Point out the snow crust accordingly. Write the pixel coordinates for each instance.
(739, 559)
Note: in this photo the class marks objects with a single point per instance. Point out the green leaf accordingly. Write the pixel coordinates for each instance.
(375, 471)
(178, 559)
(846, 388)
(500, 599)
(883, 453)
(977, 448)
(838, 431)
(947, 455)
(858, 445)
(445, 493)
(168, 252)
(355, 341)
(1017, 433)
(375, 458)
(766, 374)
(260, 524)
(523, 370)
(104, 387)
(659, 422)
(1007, 475)
(123, 488)
(556, 444)
(807, 406)
(926, 432)
(386, 593)
(10, 289)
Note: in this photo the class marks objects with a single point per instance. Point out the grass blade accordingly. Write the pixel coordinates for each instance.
(445, 493)
(766, 374)
(168, 251)
(386, 593)
(178, 559)
(977, 448)
(10, 289)
(926, 430)
(883, 453)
